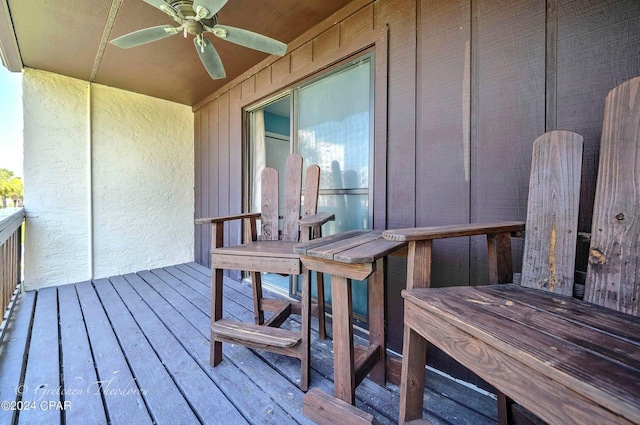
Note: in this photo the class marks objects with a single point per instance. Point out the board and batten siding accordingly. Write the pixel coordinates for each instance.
(469, 84)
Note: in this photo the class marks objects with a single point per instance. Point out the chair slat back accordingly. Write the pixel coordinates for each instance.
(311, 188)
(293, 189)
(269, 204)
(613, 275)
(552, 212)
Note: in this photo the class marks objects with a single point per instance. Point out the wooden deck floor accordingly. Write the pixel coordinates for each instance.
(134, 349)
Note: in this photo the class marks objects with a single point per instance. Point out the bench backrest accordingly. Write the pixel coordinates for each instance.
(613, 276)
(552, 212)
(292, 199)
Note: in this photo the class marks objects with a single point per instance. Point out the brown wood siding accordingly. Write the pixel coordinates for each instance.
(442, 145)
(469, 85)
(401, 159)
(508, 112)
(598, 49)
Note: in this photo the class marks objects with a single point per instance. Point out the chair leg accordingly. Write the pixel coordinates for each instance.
(505, 416)
(256, 284)
(216, 314)
(321, 315)
(414, 355)
(305, 355)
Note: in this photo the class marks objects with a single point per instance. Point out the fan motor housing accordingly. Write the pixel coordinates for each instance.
(185, 9)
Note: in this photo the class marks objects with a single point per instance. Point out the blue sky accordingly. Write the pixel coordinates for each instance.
(11, 120)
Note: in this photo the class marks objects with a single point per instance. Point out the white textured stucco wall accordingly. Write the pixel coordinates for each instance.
(130, 208)
(142, 182)
(55, 178)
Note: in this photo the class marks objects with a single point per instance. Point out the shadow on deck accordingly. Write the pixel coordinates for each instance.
(134, 349)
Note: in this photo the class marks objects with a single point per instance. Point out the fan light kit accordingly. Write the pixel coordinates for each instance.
(197, 17)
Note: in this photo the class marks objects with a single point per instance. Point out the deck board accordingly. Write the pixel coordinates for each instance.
(145, 338)
(12, 359)
(191, 379)
(79, 374)
(268, 380)
(111, 365)
(42, 377)
(190, 325)
(152, 378)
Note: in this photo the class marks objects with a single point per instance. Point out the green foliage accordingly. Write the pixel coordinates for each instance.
(11, 187)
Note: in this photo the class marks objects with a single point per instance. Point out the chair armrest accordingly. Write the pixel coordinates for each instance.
(452, 231)
(420, 240)
(316, 219)
(221, 219)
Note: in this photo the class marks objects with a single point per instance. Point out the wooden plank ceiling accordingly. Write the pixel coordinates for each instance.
(69, 37)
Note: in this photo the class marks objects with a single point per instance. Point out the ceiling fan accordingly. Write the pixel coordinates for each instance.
(197, 17)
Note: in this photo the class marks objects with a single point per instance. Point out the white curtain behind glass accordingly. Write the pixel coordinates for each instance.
(334, 131)
(258, 157)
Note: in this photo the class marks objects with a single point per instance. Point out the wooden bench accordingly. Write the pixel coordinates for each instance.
(567, 361)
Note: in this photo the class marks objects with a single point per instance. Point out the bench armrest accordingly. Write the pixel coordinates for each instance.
(316, 219)
(452, 231)
(420, 241)
(221, 219)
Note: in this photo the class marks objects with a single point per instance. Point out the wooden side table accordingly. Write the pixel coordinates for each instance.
(357, 254)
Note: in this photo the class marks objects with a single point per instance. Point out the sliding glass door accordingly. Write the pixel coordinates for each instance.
(330, 124)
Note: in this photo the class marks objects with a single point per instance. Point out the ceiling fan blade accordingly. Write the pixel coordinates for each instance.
(209, 57)
(144, 36)
(159, 4)
(250, 39)
(213, 6)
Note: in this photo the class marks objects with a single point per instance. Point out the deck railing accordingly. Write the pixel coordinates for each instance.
(11, 221)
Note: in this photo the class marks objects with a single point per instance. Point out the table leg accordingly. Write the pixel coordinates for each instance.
(305, 313)
(343, 357)
(377, 322)
(217, 239)
(216, 314)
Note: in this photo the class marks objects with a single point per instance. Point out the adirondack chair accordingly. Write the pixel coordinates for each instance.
(566, 360)
(272, 252)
